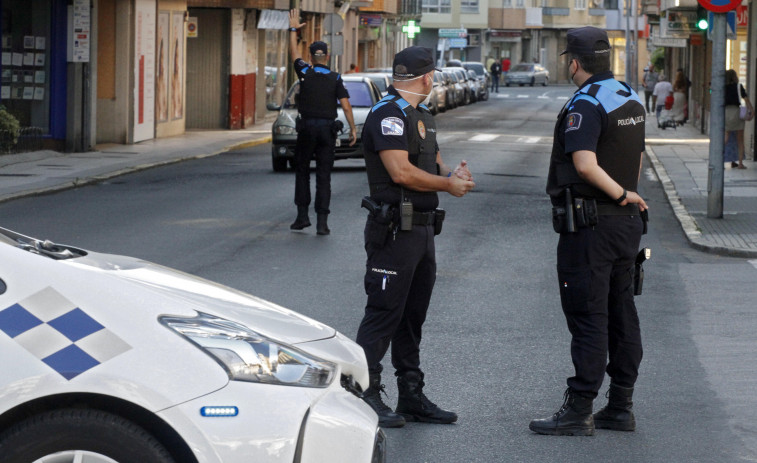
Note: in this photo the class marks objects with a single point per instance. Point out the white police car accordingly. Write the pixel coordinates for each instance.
(112, 359)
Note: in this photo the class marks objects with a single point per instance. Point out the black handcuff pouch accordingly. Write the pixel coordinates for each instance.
(439, 215)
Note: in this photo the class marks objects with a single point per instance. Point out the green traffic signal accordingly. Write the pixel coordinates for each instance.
(702, 24)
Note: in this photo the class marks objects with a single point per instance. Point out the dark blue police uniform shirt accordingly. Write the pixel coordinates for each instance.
(584, 121)
(390, 133)
(301, 68)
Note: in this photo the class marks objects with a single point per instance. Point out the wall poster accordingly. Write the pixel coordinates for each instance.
(161, 97)
(177, 67)
(144, 70)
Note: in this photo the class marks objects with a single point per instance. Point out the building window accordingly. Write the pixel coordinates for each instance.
(611, 4)
(519, 3)
(580, 4)
(469, 6)
(26, 42)
(437, 6)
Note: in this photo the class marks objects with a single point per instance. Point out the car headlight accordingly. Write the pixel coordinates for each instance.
(284, 130)
(249, 356)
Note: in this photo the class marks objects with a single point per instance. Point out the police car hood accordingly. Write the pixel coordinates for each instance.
(192, 294)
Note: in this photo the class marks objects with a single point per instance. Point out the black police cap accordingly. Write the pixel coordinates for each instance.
(587, 41)
(319, 46)
(412, 62)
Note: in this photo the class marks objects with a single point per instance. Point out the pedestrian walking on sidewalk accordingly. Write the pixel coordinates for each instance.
(593, 174)
(650, 80)
(662, 90)
(320, 88)
(405, 172)
(734, 124)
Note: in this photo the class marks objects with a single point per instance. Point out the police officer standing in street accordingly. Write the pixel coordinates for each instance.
(405, 172)
(593, 177)
(320, 88)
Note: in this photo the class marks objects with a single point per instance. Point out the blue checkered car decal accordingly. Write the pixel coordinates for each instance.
(59, 333)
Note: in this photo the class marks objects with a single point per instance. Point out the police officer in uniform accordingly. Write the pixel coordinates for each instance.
(320, 88)
(405, 172)
(593, 177)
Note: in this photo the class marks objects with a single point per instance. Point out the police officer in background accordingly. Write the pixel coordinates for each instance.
(405, 172)
(593, 176)
(320, 88)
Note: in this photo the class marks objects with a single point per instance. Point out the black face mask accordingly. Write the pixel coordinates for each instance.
(574, 74)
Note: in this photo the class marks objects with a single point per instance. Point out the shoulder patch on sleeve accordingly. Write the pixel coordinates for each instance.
(573, 122)
(392, 126)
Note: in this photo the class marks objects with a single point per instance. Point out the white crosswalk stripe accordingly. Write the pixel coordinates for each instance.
(484, 137)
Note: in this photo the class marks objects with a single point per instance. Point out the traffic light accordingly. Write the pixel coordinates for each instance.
(702, 19)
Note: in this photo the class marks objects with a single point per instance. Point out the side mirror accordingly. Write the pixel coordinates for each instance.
(272, 107)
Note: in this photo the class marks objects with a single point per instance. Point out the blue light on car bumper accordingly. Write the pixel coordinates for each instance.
(219, 411)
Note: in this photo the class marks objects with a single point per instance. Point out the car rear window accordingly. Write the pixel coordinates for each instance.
(522, 68)
(477, 68)
(360, 95)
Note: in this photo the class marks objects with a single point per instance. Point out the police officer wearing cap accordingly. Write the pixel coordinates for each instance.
(593, 177)
(405, 172)
(320, 88)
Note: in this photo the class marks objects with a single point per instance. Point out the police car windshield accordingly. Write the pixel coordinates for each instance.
(45, 248)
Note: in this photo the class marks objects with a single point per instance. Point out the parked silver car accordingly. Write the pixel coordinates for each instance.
(438, 101)
(452, 89)
(363, 95)
(462, 91)
(527, 73)
(382, 79)
(483, 77)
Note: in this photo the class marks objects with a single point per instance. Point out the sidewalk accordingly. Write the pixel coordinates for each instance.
(38, 172)
(679, 157)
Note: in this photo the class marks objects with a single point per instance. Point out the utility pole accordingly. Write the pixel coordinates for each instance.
(717, 119)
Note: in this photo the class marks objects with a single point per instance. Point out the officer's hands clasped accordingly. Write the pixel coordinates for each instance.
(461, 180)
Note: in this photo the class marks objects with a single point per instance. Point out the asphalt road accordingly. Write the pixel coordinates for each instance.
(495, 348)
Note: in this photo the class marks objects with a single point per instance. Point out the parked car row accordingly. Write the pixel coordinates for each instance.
(454, 86)
(459, 85)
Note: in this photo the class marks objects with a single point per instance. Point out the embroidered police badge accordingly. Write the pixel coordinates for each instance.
(574, 122)
(392, 126)
(422, 130)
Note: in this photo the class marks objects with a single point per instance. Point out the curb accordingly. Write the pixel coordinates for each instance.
(79, 182)
(688, 223)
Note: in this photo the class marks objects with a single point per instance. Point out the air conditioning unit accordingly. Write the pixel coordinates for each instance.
(474, 40)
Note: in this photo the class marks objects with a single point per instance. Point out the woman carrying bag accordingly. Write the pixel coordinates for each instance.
(735, 115)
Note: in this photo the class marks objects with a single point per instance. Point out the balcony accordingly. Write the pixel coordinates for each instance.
(507, 18)
(410, 8)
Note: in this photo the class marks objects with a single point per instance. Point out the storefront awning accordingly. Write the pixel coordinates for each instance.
(273, 19)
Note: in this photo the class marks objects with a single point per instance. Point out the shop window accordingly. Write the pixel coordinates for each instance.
(25, 29)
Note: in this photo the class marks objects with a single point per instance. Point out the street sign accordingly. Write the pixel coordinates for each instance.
(719, 6)
(730, 20)
(333, 23)
(453, 33)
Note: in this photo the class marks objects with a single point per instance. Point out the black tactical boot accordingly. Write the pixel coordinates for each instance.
(302, 219)
(573, 419)
(618, 414)
(372, 396)
(413, 404)
(321, 226)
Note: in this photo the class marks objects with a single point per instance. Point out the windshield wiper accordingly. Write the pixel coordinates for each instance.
(45, 248)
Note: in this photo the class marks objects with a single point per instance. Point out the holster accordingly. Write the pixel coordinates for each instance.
(336, 127)
(439, 220)
(380, 222)
(577, 213)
